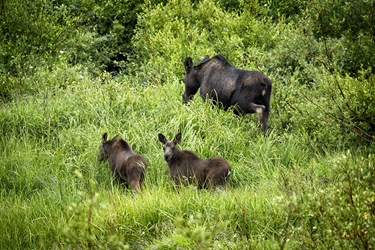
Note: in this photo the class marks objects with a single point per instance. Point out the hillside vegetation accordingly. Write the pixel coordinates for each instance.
(73, 70)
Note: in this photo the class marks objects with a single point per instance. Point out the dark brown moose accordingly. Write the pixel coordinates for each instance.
(249, 91)
(127, 167)
(185, 166)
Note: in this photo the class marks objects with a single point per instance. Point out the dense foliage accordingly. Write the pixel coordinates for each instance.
(73, 69)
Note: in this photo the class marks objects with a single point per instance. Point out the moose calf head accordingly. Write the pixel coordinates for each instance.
(169, 147)
(105, 146)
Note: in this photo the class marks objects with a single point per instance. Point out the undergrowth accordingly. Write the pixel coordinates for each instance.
(54, 193)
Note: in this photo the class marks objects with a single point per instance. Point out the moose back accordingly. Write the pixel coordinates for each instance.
(127, 166)
(249, 91)
(185, 166)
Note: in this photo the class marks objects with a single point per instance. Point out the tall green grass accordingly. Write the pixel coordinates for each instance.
(55, 195)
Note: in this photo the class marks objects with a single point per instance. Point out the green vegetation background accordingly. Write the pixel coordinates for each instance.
(71, 70)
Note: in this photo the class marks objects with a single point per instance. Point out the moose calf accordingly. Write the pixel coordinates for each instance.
(127, 167)
(186, 165)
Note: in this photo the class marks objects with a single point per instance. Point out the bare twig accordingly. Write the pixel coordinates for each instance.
(354, 128)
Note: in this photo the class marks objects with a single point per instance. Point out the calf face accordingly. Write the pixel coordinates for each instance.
(169, 147)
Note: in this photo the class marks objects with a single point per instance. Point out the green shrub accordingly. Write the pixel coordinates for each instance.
(167, 34)
(348, 23)
(333, 108)
(341, 214)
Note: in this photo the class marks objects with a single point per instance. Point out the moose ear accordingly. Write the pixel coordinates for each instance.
(104, 137)
(204, 59)
(177, 138)
(162, 138)
(188, 64)
(115, 138)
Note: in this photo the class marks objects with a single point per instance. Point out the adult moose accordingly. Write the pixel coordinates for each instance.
(127, 167)
(185, 166)
(249, 91)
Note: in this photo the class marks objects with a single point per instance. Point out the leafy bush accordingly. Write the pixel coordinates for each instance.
(167, 34)
(332, 108)
(342, 214)
(36, 35)
(44, 33)
(349, 23)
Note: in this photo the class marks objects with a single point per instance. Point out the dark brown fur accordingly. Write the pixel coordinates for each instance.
(127, 166)
(185, 166)
(249, 91)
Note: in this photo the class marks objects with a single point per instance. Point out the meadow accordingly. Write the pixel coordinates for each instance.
(56, 195)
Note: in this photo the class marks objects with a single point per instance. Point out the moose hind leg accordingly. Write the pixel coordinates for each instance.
(262, 112)
(136, 177)
(135, 184)
(264, 120)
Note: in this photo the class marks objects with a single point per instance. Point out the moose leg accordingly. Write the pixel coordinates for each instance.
(135, 176)
(262, 112)
(135, 185)
(119, 180)
(215, 182)
(214, 179)
(264, 120)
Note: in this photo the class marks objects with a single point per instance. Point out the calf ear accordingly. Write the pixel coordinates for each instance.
(177, 138)
(115, 138)
(162, 138)
(104, 137)
(188, 64)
